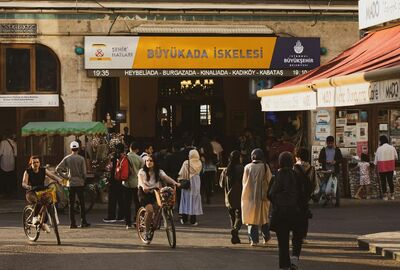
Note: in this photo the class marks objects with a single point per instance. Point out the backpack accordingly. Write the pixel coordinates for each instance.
(122, 170)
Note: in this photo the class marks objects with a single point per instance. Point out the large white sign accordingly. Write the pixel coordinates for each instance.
(374, 12)
(352, 94)
(290, 102)
(384, 91)
(29, 101)
(326, 97)
(110, 52)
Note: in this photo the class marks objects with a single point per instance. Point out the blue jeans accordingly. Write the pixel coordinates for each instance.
(254, 234)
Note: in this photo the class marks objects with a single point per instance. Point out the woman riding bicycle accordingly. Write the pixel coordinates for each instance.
(34, 180)
(149, 178)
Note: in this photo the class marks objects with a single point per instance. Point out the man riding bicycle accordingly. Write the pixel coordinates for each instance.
(34, 181)
(149, 179)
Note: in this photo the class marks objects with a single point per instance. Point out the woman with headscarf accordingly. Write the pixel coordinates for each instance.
(285, 194)
(190, 204)
(255, 205)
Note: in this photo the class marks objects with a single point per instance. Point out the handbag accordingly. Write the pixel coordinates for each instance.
(185, 183)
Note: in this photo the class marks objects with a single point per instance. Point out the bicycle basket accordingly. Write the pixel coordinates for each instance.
(167, 195)
(47, 196)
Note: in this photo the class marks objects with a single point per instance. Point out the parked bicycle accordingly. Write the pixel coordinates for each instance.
(47, 199)
(165, 202)
(329, 190)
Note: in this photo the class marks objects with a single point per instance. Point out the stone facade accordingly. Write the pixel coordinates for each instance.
(79, 93)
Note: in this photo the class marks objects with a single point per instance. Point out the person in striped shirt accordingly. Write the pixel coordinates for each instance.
(385, 161)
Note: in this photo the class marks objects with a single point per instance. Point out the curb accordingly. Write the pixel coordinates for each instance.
(381, 249)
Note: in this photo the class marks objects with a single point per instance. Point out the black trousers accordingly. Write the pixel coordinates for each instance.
(130, 195)
(386, 177)
(236, 219)
(115, 200)
(283, 233)
(73, 191)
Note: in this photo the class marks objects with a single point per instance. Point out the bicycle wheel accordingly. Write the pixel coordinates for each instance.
(141, 225)
(169, 227)
(31, 231)
(52, 213)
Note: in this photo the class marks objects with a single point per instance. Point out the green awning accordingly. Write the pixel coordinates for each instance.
(63, 128)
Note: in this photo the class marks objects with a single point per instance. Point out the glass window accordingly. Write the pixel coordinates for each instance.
(205, 115)
(46, 70)
(18, 70)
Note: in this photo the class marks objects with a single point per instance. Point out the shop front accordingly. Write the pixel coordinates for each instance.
(355, 98)
(169, 85)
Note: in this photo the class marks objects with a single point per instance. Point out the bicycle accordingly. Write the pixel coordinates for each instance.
(48, 199)
(329, 190)
(165, 201)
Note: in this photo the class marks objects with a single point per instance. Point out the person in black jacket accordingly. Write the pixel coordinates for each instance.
(285, 194)
(231, 182)
(330, 156)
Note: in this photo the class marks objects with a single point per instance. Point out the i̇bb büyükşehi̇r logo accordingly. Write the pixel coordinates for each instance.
(99, 53)
(298, 48)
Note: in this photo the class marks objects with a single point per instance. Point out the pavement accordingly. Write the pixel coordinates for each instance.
(385, 244)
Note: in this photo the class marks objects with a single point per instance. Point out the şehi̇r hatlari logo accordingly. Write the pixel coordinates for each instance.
(98, 52)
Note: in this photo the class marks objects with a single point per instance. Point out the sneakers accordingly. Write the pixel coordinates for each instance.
(35, 220)
(46, 228)
(128, 227)
(385, 197)
(295, 263)
(391, 196)
(120, 220)
(73, 226)
(195, 224)
(253, 244)
(266, 240)
(109, 220)
(84, 225)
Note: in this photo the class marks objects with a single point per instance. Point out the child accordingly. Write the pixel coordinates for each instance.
(365, 180)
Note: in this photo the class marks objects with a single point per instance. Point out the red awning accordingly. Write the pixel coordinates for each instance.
(377, 50)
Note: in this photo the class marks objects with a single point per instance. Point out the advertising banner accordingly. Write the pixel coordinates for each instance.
(29, 100)
(199, 53)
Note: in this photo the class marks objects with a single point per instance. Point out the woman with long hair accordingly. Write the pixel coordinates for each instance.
(150, 177)
(286, 194)
(231, 183)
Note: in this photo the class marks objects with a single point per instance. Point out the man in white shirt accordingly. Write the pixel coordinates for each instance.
(8, 154)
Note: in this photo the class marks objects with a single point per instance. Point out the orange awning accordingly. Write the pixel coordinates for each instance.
(377, 50)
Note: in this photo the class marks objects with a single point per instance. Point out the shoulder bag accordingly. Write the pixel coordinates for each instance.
(185, 183)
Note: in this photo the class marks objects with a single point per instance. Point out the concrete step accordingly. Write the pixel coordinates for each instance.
(386, 244)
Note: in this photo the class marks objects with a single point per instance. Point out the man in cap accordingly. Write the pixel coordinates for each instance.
(73, 167)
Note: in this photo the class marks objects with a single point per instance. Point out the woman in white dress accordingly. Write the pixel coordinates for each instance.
(190, 204)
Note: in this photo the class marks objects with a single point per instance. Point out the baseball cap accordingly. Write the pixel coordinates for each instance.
(74, 145)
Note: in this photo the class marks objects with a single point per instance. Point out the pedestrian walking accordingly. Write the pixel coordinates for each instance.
(254, 201)
(365, 180)
(130, 186)
(286, 193)
(73, 168)
(231, 183)
(8, 175)
(115, 209)
(190, 205)
(385, 158)
(306, 174)
(209, 160)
